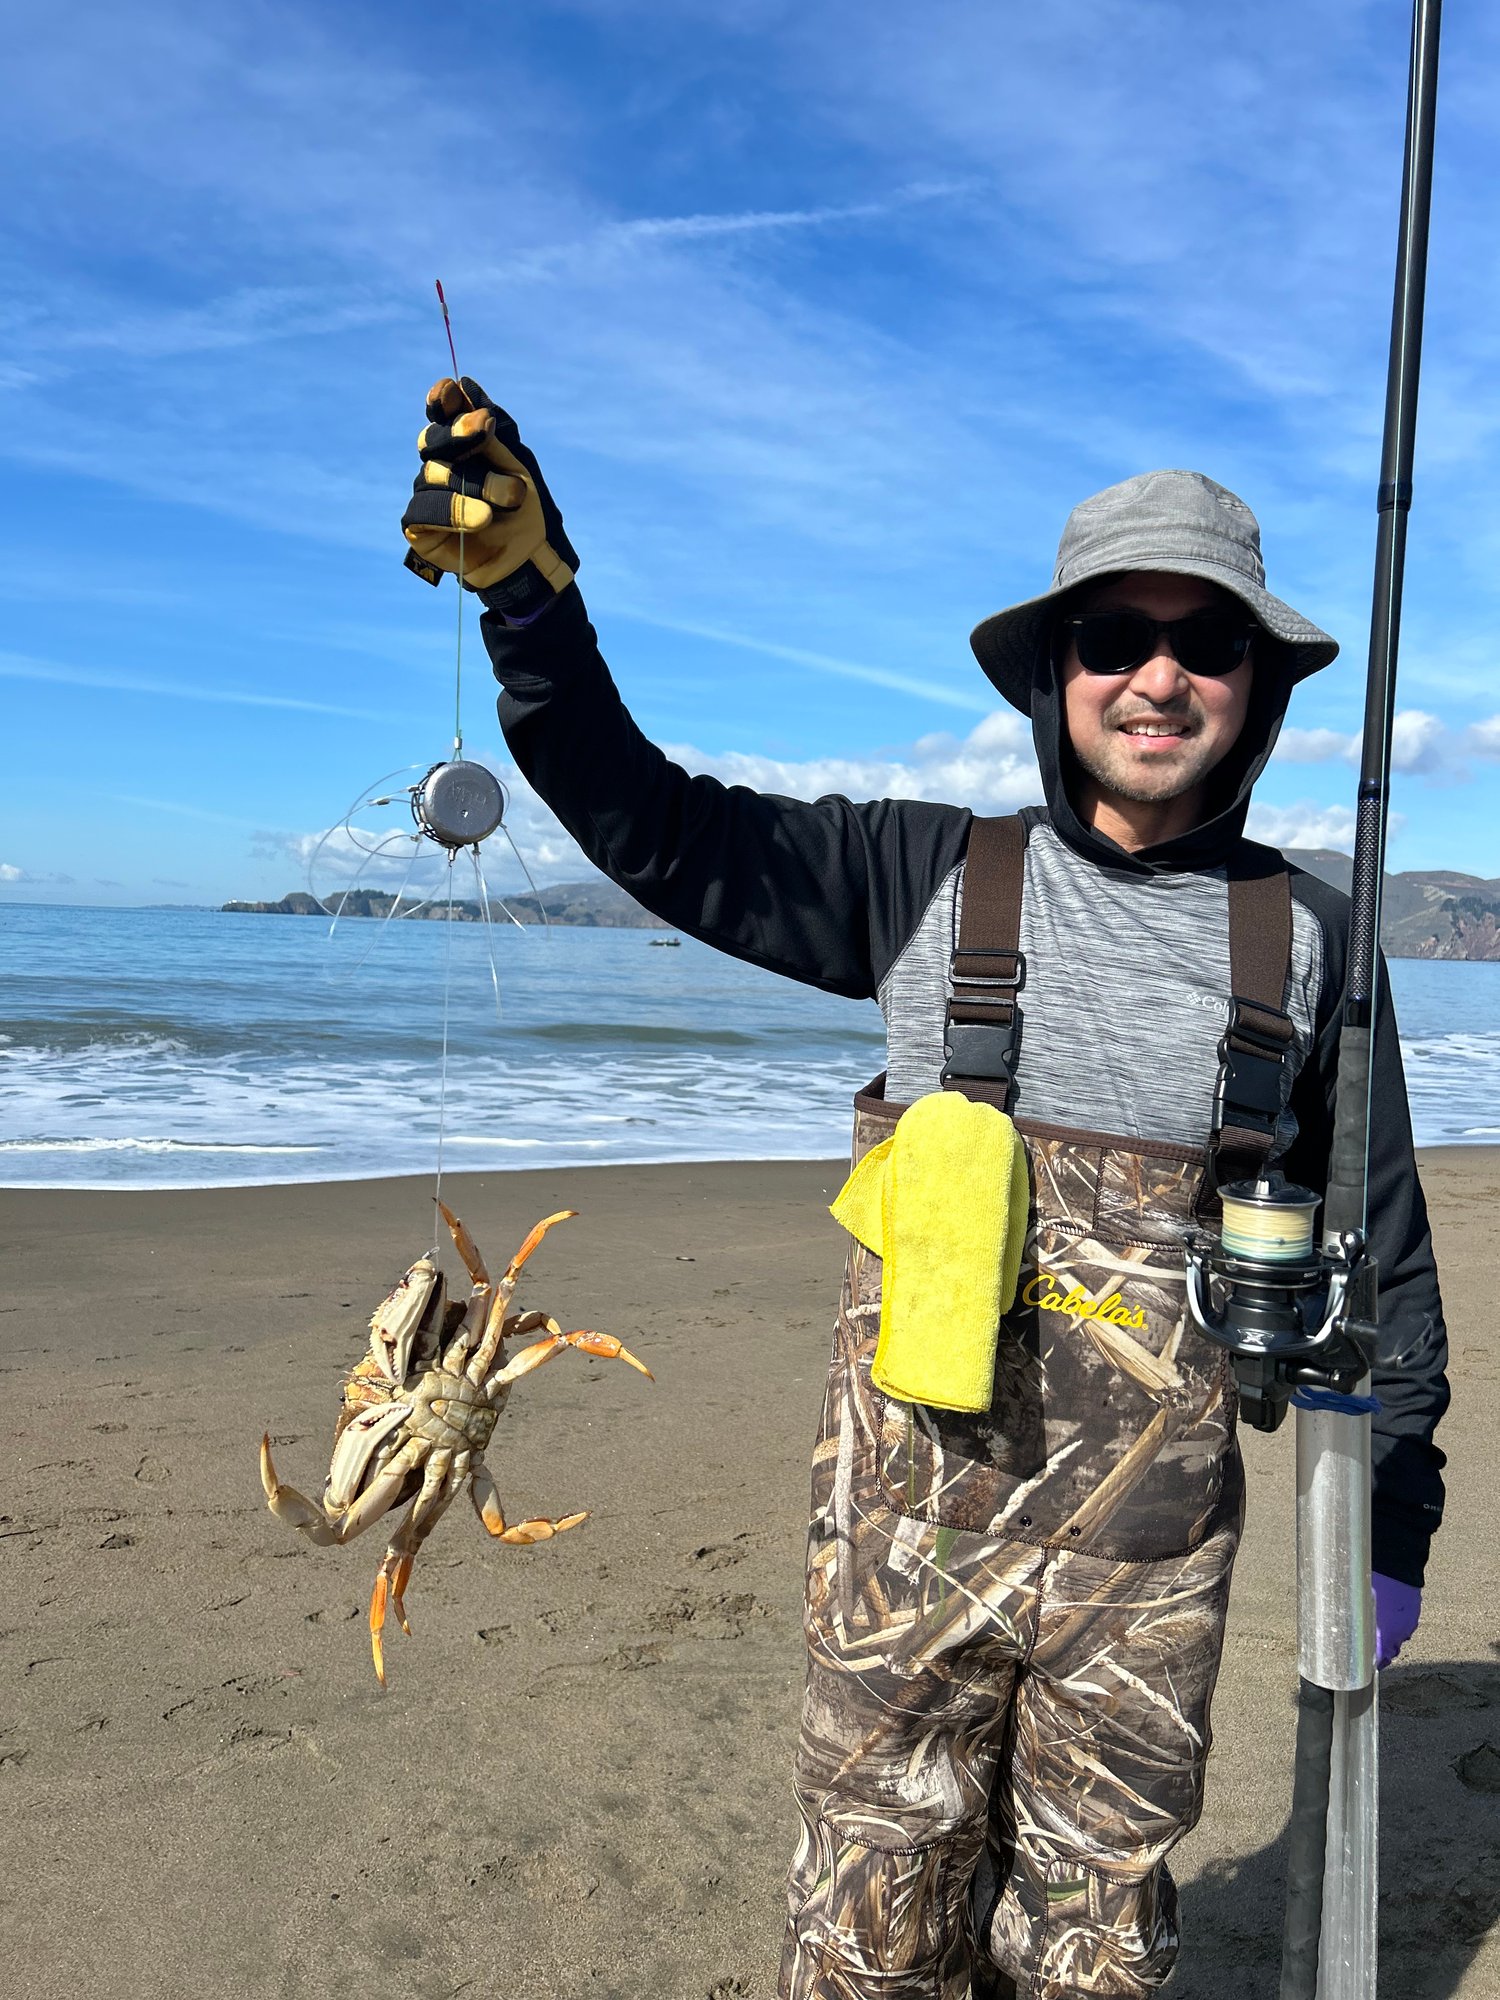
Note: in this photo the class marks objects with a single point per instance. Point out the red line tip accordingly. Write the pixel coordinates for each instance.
(447, 324)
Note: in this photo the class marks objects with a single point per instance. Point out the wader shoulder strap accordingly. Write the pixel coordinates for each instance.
(982, 1031)
(1247, 1100)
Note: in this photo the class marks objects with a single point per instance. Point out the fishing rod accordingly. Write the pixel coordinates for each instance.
(1299, 1322)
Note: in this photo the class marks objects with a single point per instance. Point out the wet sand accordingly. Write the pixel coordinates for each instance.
(577, 1786)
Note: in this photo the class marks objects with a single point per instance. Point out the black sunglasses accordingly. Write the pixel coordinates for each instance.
(1211, 642)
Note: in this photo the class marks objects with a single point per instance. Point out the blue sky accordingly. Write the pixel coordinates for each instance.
(820, 317)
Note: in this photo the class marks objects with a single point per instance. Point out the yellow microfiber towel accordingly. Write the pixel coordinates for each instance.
(943, 1204)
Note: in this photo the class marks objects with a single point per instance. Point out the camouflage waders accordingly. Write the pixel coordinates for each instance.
(1014, 1620)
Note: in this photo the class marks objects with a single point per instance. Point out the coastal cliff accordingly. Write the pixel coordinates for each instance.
(1428, 913)
(587, 905)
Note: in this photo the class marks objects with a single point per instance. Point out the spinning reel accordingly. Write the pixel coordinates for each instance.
(1291, 1315)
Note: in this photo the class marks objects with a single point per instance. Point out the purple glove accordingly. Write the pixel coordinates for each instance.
(1398, 1606)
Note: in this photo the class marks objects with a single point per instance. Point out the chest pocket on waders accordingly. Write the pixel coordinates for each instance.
(1110, 1419)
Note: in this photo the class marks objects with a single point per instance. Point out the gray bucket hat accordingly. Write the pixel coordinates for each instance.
(1180, 522)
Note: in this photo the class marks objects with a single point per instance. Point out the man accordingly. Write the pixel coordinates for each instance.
(1015, 1616)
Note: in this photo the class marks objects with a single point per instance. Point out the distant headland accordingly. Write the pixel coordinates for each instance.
(1428, 913)
(586, 905)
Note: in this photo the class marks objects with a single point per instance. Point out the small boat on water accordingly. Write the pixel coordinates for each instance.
(665, 941)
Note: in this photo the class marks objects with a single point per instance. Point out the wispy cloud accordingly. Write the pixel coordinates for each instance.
(246, 317)
(182, 811)
(823, 663)
(31, 878)
(18, 666)
(756, 221)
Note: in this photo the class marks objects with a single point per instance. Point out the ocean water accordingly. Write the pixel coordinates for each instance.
(149, 1049)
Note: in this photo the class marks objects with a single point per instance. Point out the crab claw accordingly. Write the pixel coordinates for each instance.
(396, 1320)
(288, 1505)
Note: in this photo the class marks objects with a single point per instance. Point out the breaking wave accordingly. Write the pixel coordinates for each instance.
(174, 1049)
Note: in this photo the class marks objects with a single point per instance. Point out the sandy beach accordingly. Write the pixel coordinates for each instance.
(577, 1786)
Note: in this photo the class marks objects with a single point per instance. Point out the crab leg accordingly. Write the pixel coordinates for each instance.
(465, 1245)
(395, 1570)
(456, 1353)
(513, 1268)
(487, 1507)
(603, 1345)
(500, 1329)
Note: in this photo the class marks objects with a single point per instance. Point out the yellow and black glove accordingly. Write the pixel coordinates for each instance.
(480, 507)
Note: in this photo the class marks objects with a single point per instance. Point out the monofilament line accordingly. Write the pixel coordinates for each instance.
(458, 665)
(443, 1059)
(458, 751)
(458, 677)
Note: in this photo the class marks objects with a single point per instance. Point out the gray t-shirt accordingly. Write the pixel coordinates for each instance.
(1126, 995)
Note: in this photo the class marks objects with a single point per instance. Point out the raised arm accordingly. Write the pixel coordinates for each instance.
(827, 892)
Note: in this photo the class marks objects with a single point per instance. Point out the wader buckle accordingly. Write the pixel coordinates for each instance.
(984, 1051)
(1251, 1051)
(986, 979)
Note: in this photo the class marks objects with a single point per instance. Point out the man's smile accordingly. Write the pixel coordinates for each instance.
(1154, 734)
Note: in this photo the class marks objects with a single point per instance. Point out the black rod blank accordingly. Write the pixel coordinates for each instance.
(1349, 1162)
(1348, 1176)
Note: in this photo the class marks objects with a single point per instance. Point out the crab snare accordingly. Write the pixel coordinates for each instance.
(418, 1409)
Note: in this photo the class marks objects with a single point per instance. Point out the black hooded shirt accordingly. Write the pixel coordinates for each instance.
(861, 899)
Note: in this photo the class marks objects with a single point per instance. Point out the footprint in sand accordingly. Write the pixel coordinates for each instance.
(724, 1615)
(1479, 1768)
(1431, 1692)
(722, 1555)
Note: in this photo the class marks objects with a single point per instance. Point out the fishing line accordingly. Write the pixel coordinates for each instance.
(531, 885)
(458, 751)
(437, 1193)
(489, 931)
(455, 804)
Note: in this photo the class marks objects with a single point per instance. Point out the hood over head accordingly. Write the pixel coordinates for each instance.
(1184, 524)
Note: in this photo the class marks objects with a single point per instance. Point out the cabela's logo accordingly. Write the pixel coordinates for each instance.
(1046, 1290)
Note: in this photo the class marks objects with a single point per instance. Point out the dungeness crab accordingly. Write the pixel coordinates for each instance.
(418, 1411)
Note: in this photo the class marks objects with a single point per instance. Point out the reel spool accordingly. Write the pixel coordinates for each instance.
(1282, 1307)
